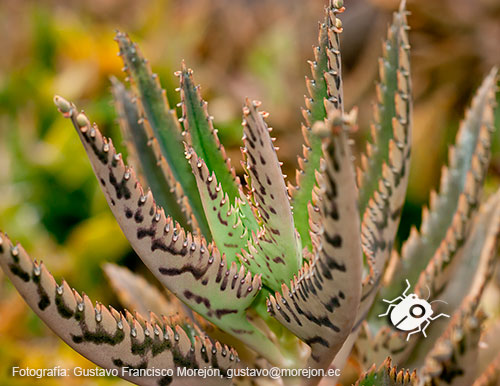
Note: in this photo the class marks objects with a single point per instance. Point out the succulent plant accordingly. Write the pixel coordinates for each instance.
(277, 275)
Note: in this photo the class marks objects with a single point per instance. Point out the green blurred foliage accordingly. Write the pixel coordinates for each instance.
(49, 198)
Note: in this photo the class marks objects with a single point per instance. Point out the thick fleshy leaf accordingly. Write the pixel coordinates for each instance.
(322, 301)
(448, 219)
(201, 135)
(325, 88)
(453, 359)
(146, 157)
(392, 87)
(226, 226)
(454, 255)
(474, 261)
(388, 375)
(473, 268)
(108, 338)
(194, 271)
(153, 105)
(277, 251)
(384, 207)
(136, 294)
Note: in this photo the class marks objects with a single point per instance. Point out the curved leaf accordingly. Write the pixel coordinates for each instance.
(383, 210)
(153, 104)
(201, 135)
(194, 271)
(277, 252)
(474, 267)
(451, 211)
(392, 86)
(325, 89)
(109, 338)
(322, 301)
(228, 231)
(149, 162)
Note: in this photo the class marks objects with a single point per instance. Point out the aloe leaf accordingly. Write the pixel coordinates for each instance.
(278, 250)
(393, 68)
(321, 302)
(457, 257)
(388, 375)
(473, 267)
(227, 229)
(108, 338)
(383, 210)
(194, 271)
(136, 294)
(153, 104)
(201, 135)
(325, 87)
(453, 254)
(451, 211)
(149, 161)
(453, 359)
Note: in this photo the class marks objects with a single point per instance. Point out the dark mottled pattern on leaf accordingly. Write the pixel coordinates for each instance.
(154, 107)
(145, 155)
(321, 302)
(184, 263)
(109, 338)
(275, 250)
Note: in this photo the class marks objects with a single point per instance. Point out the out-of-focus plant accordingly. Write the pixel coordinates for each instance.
(287, 276)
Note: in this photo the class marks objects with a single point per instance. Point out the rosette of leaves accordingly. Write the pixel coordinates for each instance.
(284, 275)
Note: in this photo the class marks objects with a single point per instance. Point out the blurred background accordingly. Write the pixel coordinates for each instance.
(49, 198)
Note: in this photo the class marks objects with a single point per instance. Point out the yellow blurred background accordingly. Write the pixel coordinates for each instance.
(49, 198)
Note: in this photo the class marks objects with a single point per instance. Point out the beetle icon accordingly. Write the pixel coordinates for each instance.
(411, 313)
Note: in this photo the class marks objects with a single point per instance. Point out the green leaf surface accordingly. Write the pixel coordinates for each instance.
(325, 87)
(388, 375)
(391, 66)
(277, 251)
(141, 146)
(383, 210)
(185, 264)
(226, 226)
(202, 137)
(166, 128)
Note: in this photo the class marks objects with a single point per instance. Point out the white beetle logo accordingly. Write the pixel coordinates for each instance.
(411, 313)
